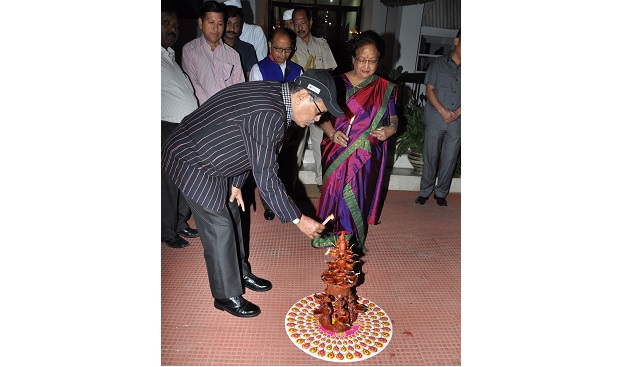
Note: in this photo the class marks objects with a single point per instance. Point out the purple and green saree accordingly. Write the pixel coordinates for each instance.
(353, 175)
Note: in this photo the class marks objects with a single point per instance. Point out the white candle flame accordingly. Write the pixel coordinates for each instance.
(350, 125)
(329, 218)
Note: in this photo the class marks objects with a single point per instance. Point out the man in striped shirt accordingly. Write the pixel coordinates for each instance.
(210, 155)
(210, 63)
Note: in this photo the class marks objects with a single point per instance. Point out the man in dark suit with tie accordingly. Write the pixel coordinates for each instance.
(210, 154)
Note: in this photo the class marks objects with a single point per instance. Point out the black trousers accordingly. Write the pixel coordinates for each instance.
(221, 236)
(175, 211)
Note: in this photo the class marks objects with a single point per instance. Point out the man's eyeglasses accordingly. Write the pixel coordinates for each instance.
(367, 61)
(318, 109)
(281, 49)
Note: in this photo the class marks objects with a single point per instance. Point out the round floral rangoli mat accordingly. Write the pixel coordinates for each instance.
(369, 335)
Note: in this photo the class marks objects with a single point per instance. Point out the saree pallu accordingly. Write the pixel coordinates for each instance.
(353, 175)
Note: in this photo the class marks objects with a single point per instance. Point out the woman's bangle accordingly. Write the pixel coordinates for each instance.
(395, 127)
(332, 134)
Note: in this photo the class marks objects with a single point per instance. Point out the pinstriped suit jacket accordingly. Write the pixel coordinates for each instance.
(237, 130)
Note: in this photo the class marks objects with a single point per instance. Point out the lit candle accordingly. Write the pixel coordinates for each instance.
(329, 218)
(350, 125)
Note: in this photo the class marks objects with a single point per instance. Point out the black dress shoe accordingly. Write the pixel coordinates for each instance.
(421, 200)
(176, 242)
(237, 306)
(256, 284)
(269, 215)
(189, 232)
(440, 201)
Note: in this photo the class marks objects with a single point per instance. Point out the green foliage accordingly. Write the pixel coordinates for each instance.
(458, 167)
(413, 135)
(328, 240)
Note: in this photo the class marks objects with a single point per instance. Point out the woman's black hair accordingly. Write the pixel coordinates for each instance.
(365, 38)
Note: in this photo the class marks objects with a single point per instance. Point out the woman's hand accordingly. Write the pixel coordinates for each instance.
(339, 138)
(383, 133)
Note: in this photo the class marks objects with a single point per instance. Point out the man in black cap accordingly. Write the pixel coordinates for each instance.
(210, 154)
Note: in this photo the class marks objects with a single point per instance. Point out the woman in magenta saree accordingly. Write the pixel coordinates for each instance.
(354, 155)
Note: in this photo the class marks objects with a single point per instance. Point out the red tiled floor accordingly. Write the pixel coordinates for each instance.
(411, 270)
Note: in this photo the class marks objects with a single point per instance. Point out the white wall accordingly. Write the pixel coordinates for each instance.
(373, 14)
(400, 23)
(408, 35)
(260, 14)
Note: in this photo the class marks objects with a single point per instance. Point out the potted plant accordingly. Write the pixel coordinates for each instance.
(411, 140)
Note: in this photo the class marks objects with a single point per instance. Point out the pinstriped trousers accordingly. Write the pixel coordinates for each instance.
(175, 211)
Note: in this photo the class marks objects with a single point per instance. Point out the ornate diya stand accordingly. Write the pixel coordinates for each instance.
(338, 309)
(336, 325)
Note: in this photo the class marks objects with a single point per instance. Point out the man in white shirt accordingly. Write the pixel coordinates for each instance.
(177, 101)
(312, 53)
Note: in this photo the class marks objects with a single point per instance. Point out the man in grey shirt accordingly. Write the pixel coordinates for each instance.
(442, 118)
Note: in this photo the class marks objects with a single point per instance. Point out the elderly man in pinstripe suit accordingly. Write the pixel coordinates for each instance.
(210, 154)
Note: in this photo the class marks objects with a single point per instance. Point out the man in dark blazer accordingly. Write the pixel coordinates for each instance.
(210, 154)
